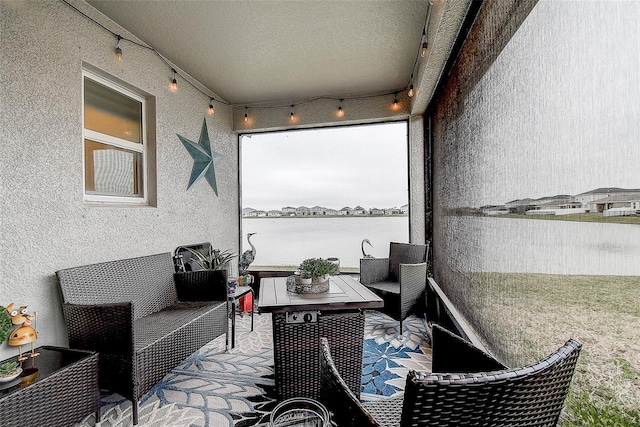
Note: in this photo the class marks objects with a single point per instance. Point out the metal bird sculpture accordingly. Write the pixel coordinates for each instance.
(248, 256)
(364, 254)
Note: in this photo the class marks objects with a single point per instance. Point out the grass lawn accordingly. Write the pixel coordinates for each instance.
(533, 314)
(585, 217)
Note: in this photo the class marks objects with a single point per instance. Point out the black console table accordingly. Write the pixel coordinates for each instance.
(57, 388)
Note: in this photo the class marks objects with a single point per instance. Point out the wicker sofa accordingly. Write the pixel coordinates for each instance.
(476, 390)
(128, 311)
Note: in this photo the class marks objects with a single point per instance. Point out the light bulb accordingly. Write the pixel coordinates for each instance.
(411, 92)
(246, 114)
(211, 109)
(424, 49)
(340, 112)
(118, 50)
(292, 116)
(174, 83)
(395, 105)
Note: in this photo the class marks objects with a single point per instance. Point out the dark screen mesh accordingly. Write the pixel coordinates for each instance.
(536, 161)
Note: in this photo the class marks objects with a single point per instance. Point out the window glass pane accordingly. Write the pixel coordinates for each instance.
(111, 171)
(112, 113)
(320, 192)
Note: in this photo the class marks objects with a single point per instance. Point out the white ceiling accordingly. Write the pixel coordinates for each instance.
(255, 51)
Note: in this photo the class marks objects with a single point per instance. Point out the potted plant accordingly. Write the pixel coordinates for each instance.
(209, 283)
(314, 275)
(9, 371)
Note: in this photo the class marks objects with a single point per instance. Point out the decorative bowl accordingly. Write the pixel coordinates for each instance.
(9, 377)
(294, 284)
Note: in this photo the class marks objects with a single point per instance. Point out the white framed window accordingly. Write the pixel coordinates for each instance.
(115, 144)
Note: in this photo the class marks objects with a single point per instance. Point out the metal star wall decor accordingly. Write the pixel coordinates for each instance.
(204, 159)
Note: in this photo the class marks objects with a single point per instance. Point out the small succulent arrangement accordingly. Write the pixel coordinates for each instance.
(9, 371)
(314, 268)
(8, 368)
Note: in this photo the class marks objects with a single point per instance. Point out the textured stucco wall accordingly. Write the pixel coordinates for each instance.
(45, 226)
(417, 232)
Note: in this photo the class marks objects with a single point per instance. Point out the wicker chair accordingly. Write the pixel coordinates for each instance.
(128, 311)
(528, 396)
(399, 280)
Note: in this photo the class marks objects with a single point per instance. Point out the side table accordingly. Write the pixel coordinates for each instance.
(233, 299)
(57, 388)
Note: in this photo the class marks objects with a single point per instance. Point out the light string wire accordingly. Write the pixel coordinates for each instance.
(423, 38)
(211, 98)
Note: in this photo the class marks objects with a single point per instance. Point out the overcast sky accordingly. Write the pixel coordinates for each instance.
(331, 167)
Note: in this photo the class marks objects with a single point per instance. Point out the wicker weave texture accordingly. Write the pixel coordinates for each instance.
(346, 410)
(137, 346)
(530, 396)
(147, 280)
(61, 399)
(296, 355)
(527, 396)
(400, 279)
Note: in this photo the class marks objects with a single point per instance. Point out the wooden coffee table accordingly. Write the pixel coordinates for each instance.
(299, 320)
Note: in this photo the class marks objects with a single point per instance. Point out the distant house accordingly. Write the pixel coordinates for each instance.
(345, 211)
(260, 214)
(589, 198)
(288, 211)
(329, 211)
(627, 201)
(359, 210)
(274, 213)
(392, 211)
(317, 210)
(495, 210)
(376, 211)
(404, 209)
(302, 210)
(247, 212)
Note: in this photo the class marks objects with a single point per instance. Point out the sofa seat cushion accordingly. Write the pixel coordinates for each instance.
(152, 328)
(388, 287)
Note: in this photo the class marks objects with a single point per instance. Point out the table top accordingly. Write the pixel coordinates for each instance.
(239, 291)
(344, 293)
(51, 360)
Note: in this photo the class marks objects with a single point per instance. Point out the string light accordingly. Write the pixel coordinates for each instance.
(340, 112)
(425, 49)
(174, 83)
(411, 91)
(118, 50)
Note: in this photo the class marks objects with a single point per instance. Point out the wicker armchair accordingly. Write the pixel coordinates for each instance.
(399, 280)
(528, 396)
(128, 311)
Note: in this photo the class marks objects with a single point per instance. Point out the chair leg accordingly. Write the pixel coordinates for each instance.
(134, 406)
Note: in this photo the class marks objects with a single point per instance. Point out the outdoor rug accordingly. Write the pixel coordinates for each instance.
(218, 388)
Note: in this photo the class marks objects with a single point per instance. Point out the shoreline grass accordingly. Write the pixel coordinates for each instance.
(585, 217)
(539, 312)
